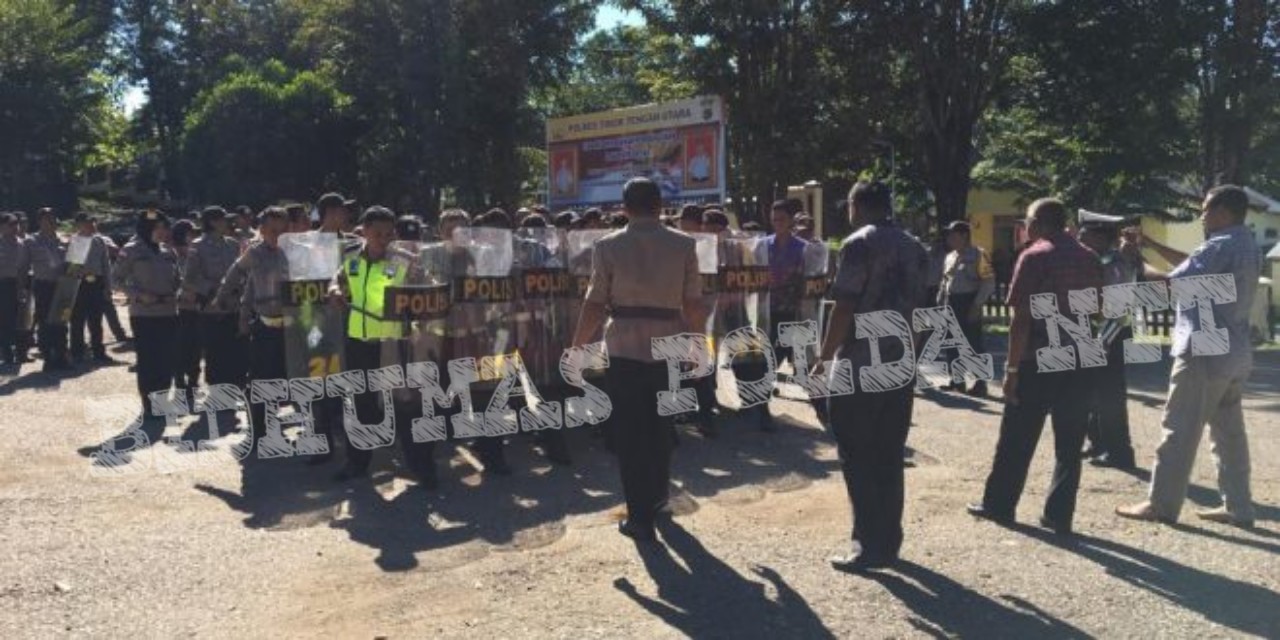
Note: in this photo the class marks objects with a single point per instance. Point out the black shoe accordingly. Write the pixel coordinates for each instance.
(497, 467)
(980, 511)
(319, 459)
(861, 563)
(1054, 526)
(708, 428)
(978, 391)
(1110, 461)
(637, 532)
(102, 358)
(766, 422)
(22, 358)
(347, 474)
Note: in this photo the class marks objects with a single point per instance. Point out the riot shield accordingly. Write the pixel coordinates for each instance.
(544, 286)
(580, 248)
(314, 331)
(68, 285)
(742, 317)
(482, 325)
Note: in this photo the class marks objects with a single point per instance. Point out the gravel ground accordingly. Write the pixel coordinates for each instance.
(273, 549)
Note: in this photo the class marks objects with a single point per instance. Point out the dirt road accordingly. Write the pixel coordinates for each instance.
(273, 548)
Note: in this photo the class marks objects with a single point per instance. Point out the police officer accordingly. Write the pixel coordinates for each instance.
(25, 338)
(208, 261)
(147, 272)
(91, 297)
(408, 229)
(645, 282)
(967, 282)
(361, 286)
(255, 279)
(15, 262)
(186, 371)
(48, 260)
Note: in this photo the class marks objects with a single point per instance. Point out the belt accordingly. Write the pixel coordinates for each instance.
(646, 313)
(275, 322)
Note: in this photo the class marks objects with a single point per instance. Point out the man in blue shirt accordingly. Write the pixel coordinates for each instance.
(1203, 387)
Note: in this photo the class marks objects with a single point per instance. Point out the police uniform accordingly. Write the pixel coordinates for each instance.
(967, 280)
(644, 274)
(48, 260)
(110, 314)
(148, 274)
(370, 335)
(15, 263)
(1108, 427)
(208, 261)
(255, 279)
(91, 301)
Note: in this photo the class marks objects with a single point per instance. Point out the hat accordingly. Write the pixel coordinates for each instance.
(691, 212)
(958, 225)
(85, 216)
(209, 214)
(408, 227)
(333, 200)
(151, 215)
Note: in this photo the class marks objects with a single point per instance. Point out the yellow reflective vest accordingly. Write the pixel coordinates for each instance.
(367, 283)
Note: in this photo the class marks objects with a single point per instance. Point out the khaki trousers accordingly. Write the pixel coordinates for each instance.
(1197, 396)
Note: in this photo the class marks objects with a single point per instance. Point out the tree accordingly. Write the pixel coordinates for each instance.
(957, 52)
(622, 67)
(46, 87)
(1096, 108)
(1238, 59)
(268, 133)
(763, 58)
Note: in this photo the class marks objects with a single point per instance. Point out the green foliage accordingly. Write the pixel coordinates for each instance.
(265, 134)
(46, 91)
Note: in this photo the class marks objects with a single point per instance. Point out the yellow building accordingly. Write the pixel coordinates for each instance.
(996, 220)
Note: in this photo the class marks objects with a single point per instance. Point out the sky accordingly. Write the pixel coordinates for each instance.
(607, 17)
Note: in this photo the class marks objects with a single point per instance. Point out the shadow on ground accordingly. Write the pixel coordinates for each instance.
(707, 598)
(1241, 606)
(522, 511)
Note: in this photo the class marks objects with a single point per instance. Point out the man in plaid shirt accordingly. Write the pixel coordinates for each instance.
(1054, 263)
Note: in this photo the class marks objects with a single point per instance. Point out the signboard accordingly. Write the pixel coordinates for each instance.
(679, 145)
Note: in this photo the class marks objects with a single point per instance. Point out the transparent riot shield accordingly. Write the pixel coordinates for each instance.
(482, 324)
(742, 317)
(68, 285)
(423, 305)
(543, 288)
(580, 248)
(314, 330)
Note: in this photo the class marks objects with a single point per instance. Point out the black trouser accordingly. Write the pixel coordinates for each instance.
(8, 317)
(266, 362)
(1108, 427)
(365, 355)
(52, 338)
(223, 349)
(1061, 395)
(871, 431)
(90, 301)
(960, 304)
(155, 339)
(777, 316)
(112, 316)
(186, 371)
(642, 439)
